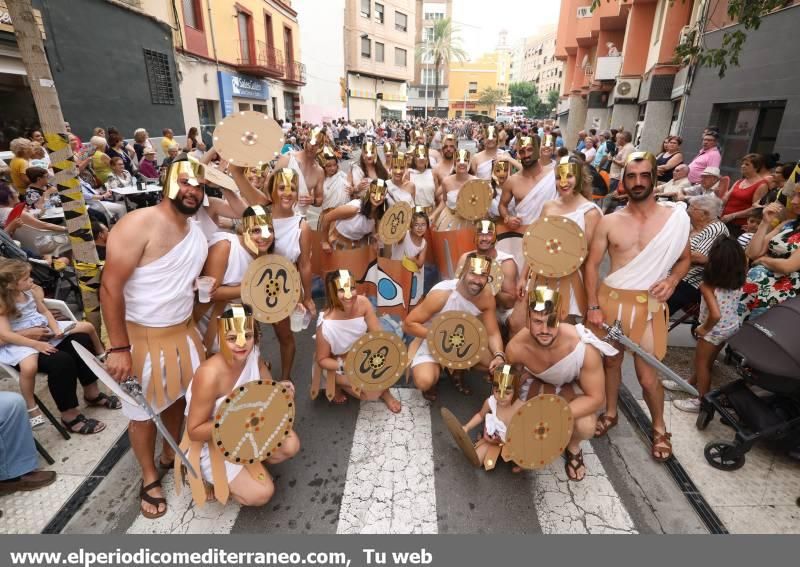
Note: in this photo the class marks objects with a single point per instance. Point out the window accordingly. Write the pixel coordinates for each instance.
(400, 57)
(745, 128)
(244, 106)
(159, 76)
(400, 21)
(262, 108)
(429, 76)
(208, 120)
(379, 13)
(473, 87)
(366, 47)
(427, 34)
(191, 14)
(245, 47)
(365, 8)
(378, 52)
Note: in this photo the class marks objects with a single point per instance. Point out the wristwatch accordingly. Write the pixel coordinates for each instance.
(341, 364)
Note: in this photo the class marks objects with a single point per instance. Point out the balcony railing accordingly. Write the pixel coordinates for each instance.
(263, 61)
(608, 68)
(296, 73)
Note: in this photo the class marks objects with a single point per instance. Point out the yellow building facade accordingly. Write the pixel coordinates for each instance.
(465, 83)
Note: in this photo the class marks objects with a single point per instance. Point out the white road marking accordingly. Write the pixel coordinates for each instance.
(390, 486)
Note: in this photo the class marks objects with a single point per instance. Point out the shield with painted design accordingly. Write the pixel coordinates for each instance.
(460, 436)
(539, 432)
(271, 286)
(554, 246)
(395, 223)
(457, 340)
(253, 421)
(248, 138)
(474, 199)
(376, 361)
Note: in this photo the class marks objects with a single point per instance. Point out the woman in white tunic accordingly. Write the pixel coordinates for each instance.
(347, 317)
(368, 169)
(336, 189)
(237, 364)
(399, 189)
(353, 225)
(445, 217)
(421, 176)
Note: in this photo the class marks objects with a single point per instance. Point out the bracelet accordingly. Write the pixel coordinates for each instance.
(126, 348)
(594, 308)
(501, 355)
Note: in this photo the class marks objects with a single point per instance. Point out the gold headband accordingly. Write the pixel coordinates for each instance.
(189, 166)
(548, 141)
(252, 218)
(505, 377)
(239, 319)
(399, 161)
(500, 166)
(449, 137)
(421, 151)
(640, 156)
(344, 281)
(325, 154)
(389, 148)
(314, 136)
(479, 265)
(286, 175)
(542, 299)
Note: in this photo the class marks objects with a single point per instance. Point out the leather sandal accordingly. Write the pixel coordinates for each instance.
(604, 423)
(661, 444)
(89, 426)
(574, 461)
(152, 500)
(103, 400)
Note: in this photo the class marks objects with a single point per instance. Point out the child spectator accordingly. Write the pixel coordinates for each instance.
(753, 220)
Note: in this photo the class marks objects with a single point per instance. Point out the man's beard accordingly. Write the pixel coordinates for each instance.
(641, 196)
(529, 163)
(186, 209)
(450, 156)
(545, 344)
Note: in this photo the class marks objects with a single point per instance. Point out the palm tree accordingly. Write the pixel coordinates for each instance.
(442, 48)
(491, 97)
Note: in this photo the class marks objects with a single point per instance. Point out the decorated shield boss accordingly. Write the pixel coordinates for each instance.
(474, 199)
(554, 246)
(253, 421)
(248, 138)
(460, 436)
(395, 222)
(539, 432)
(376, 361)
(271, 286)
(457, 339)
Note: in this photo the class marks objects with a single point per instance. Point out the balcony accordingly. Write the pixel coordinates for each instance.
(265, 62)
(608, 68)
(295, 73)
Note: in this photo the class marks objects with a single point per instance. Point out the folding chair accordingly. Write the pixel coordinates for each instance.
(689, 312)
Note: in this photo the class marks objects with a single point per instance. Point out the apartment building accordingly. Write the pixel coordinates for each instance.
(467, 80)
(421, 92)
(378, 57)
(534, 61)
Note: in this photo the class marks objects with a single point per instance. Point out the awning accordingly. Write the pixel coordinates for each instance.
(11, 66)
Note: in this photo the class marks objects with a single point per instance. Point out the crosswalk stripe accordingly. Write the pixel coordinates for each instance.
(390, 484)
(591, 506)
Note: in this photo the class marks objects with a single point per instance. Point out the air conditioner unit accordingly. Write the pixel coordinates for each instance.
(627, 89)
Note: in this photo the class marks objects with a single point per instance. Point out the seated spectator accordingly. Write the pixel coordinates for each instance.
(172, 153)
(102, 202)
(774, 275)
(141, 143)
(709, 183)
(706, 229)
(673, 188)
(751, 227)
(40, 193)
(9, 200)
(101, 163)
(669, 158)
(168, 140)
(745, 194)
(148, 166)
(780, 176)
(118, 177)
(39, 157)
(19, 460)
(21, 147)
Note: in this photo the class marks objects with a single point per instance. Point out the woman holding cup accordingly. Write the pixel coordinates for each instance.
(369, 167)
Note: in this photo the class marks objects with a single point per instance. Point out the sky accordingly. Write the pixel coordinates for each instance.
(481, 21)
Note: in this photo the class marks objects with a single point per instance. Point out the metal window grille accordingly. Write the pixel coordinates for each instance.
(159, 77)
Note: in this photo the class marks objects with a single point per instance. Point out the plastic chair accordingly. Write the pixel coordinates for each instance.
(689, 312)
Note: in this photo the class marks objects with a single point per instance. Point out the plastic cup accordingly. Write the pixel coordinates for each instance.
(204, 287)
(297, 318)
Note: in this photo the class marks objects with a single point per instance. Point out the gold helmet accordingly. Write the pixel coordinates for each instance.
(239, 319)
(544, 300)
(256, 217)
(548, 141)
(463, 156)
(485, 226)
(340, 279)
(325, 153)
(368, 149)
(506, 379)
(418, 133)
(569, 166)
(420, 151)
(389, 148)
(316, 137)
(288, 177)
(479, 265)
(377, 188)
(642, 156)
(183, 163)
(529, 141)
(489, 132)
(400, 162)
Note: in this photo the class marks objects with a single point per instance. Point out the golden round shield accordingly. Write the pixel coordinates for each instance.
(253, 421)
(539, 432)
(461, 437)
(457, 339)
(376, 361)
(474, 200)
(554, 246)
(248, 138)
(395, 223)
(271, 286)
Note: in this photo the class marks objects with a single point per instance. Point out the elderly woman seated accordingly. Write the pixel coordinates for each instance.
(774, 252)
(704, 213)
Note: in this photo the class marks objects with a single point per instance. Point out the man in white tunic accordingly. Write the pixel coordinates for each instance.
(648, 244)
(153, 257)
(530, 188)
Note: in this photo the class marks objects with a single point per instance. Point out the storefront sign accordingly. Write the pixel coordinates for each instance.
(239, 86)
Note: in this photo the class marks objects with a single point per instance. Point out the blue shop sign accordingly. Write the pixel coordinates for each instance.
(240, 86)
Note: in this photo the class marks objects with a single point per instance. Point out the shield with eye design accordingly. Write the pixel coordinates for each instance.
(395, 222)
(248, 138)
(271, 286)
(457, 340)
(376, 362)
(474, 200)
(554, 246)
(539, 432)
(252, 422)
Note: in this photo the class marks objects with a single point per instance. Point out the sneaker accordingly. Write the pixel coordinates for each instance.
(691, 405)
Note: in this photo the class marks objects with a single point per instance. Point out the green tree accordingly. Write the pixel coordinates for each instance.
(524, 94)
(748, 13)
(491, 96)
(443, 48)
(552, 100)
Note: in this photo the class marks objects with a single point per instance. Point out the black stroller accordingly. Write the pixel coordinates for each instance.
(766, 352)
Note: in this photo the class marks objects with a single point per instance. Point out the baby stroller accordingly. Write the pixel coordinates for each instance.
(766, 354)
